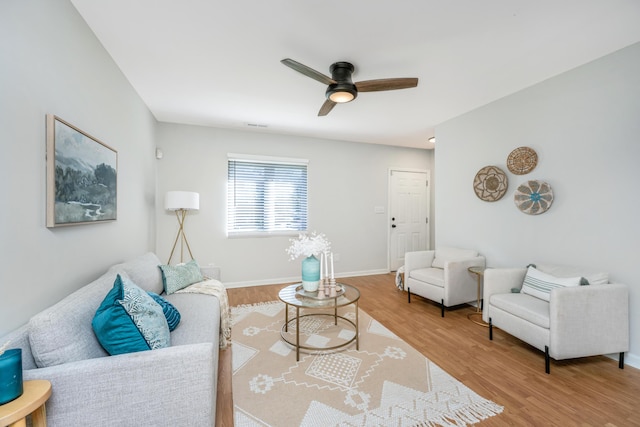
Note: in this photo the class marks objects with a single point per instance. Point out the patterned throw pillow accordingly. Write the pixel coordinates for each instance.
(170, 312)
(176, 277)
(539, 284)
(129, 320)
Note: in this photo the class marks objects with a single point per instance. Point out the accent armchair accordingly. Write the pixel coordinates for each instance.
(442, 275)
(553, 309)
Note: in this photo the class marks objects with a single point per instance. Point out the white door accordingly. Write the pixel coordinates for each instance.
(408, 214)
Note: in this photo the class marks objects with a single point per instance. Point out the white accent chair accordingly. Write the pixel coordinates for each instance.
(577, 321)
(442, 275)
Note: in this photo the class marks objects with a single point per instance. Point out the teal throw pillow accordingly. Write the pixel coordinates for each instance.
(176, 277)
(170, 312)
(129, 320)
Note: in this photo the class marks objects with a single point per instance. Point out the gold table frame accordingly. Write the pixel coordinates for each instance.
(290, 296)
(479, 272)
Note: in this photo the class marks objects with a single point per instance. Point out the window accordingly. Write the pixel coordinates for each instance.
(266, 195)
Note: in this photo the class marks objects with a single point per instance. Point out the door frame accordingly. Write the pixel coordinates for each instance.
(428, 207)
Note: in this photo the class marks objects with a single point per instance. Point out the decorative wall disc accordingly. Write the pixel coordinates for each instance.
(522, 160)
(490, 183)
(533, 197)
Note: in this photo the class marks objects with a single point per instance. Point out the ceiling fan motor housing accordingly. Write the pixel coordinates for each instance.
(341, 73)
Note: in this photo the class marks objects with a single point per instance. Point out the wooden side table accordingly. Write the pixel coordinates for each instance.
(479, 272)
(32, 401)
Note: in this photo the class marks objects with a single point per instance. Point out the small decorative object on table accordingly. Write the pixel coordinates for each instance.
(10, 374)
(309, 246)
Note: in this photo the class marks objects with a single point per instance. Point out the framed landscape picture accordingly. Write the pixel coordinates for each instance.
(82, 176)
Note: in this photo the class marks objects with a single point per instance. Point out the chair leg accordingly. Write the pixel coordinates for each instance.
(490, 330)
(621, 360)
(546, 359)
(409, 295)
(441, 308)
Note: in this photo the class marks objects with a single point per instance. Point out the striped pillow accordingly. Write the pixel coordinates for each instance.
(539, 284)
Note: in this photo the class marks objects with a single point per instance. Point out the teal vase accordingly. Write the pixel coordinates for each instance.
(310, 273)
(10, 375)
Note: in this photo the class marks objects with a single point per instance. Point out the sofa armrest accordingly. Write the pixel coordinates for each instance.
(500, 281)
(166, 387)
(462, 266)
(417, 259)
(210, 271)
(589, 320)
(461, 284)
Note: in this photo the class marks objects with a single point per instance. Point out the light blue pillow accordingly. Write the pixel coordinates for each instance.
(176, 277)
(170, 312)
(129, 320)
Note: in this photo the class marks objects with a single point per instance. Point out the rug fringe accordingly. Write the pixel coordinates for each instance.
(256, 304)
(463, 417)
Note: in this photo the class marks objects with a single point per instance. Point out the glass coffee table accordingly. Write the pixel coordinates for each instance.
(314, 306)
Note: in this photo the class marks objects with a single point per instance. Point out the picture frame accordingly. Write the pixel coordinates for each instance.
(82, 176)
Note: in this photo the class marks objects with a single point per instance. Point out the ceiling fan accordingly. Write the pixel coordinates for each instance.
(341, 88)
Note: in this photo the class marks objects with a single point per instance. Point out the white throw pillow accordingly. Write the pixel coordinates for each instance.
(539, 284)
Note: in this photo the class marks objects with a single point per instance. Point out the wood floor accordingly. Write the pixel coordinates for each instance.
(578, 392)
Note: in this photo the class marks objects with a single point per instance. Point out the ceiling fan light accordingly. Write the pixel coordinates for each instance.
(341, 97)
(342, 92)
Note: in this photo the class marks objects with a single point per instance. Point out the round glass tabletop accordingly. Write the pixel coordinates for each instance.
(293, 296)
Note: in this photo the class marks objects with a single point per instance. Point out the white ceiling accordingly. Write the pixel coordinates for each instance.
(217, 63)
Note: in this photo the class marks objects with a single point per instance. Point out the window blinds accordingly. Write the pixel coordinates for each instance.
(266, 197)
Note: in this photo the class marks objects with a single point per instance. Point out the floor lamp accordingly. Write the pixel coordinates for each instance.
(181, 202)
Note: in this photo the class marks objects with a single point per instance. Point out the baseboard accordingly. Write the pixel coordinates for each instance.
(277, 280)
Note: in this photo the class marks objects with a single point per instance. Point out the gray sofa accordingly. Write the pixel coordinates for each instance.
(173, 386)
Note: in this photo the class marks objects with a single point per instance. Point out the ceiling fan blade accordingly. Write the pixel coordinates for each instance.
(386, 84)
(326, 107)
(309, 72)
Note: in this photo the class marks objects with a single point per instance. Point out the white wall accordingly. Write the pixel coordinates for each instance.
(584, 125)
(50, 62)
(346, 181)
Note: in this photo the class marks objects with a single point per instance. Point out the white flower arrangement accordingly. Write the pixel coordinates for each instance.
(307, 245)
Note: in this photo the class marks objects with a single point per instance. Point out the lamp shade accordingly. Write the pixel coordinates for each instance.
(187, 200)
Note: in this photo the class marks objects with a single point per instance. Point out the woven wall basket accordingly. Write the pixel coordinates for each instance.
(490, 183)
(533, 197)
(522, 160)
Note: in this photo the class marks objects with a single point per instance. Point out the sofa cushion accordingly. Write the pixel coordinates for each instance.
(143, 271)
(539, 284)
(434, 276)
(594, 277)
(526, 307)
(444, 255)
(62, 333)
(170, 312)
(200, 320)
(129, 320)
(176, 277)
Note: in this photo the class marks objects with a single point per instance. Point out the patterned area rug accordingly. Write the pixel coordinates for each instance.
(385, 383)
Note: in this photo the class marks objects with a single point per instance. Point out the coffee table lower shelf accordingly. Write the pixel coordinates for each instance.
(296, 344)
